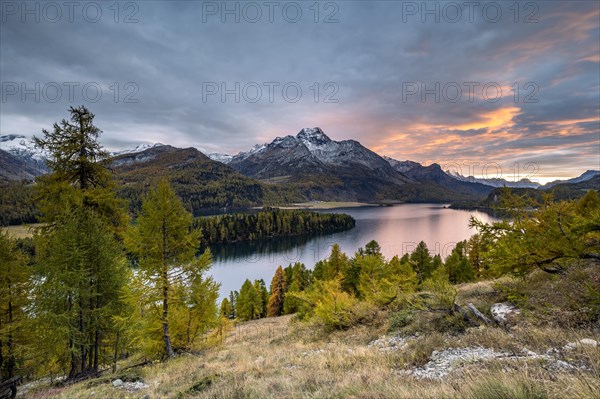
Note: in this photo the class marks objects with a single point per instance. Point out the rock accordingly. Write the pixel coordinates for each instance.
(135, 386)
(582, 342)
(588, 341)
(117, 383)
(387, 344)
(145, 397)
(500, 311)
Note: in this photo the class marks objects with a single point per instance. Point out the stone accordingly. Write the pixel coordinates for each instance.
(582, 342)
(500, 311)
(117, 383)
(588, 341)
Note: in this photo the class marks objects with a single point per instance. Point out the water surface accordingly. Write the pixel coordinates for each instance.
(398, 230)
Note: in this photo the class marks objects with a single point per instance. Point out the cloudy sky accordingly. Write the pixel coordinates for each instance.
(511, 90)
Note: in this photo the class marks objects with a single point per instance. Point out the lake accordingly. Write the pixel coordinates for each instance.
(398, 229)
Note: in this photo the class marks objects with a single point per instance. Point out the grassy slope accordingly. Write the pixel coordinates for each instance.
(279, 358)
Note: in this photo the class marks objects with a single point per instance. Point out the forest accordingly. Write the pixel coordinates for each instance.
(269, 223)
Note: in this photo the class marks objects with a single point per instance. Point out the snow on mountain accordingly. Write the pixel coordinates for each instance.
(402, 166)
(136, 149)
(21, 147)
(494, 182)
(223, 158)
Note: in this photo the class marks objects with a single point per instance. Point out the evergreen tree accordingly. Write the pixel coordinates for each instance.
(249, 302)
(300, 280)
(226, 309)
(551, 238)
(261, 289)
(79, 264)
(458, 266)
(14, 291)
(421, 262)
(233, 300)
(80, 271)
(278, 288)
(165, 245)
(373, 249)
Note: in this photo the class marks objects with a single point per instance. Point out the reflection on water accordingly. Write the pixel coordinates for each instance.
(398, 230)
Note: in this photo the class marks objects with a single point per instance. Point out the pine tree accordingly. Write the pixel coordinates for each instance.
(165, 245)
(278, 288)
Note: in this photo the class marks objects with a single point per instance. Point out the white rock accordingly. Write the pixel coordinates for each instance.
(588, 341)
(117, 383)
(501, 310)
(585, 341)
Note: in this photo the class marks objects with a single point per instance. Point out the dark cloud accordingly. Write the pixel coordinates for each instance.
(171, 53)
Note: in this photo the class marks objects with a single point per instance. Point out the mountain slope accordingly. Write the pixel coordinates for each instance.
(204, 185)
(13, 167)
(583, 177)
(323, 169)
(495, 182)
(562, 191)
(434, 176)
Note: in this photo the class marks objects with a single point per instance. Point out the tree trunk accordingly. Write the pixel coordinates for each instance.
(479, 315)
(73, 369)
(10, 366)
(116, 353)
(165, 276)
(165, 321)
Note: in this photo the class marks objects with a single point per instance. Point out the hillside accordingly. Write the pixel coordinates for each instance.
(281, 358)
(14, 167)
(202, 184)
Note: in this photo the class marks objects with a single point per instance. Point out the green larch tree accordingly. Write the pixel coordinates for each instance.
(15, 284)
(165, 244)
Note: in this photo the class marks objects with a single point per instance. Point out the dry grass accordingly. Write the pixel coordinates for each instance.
(21, 231)
(279, 358)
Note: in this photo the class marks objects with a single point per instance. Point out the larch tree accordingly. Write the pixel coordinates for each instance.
(249, 302)
(165, 245)
(14, 289)
(79, 263)
(226, 310)
(421, 262)
(278, 288)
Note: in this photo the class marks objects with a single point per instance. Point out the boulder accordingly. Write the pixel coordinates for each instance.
(500, 311)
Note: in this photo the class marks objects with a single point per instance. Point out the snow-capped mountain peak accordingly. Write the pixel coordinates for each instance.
(21, 146)
(136, 149)
(313, 137)
(223, 158)
(11, 137)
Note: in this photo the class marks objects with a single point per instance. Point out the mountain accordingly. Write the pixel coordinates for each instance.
(20, 146)
(323, 169)
(137, 148)
(203, 184)
(585, 176)
(15, 167)
(223, 158)
(436, 178)
(495, 182)
(560, 191)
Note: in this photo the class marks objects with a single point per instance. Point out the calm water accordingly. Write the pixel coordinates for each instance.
(398, 229)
